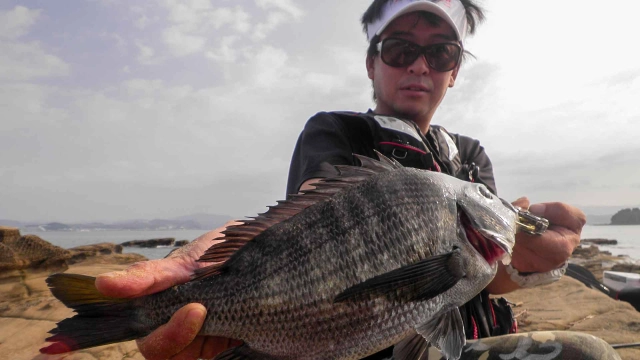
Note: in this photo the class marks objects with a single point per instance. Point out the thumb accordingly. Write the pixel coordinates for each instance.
(522, 202)
(172, 337)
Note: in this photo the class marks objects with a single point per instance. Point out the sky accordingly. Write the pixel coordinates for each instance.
(113, 110)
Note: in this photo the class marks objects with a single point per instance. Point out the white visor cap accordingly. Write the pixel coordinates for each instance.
(452, 11)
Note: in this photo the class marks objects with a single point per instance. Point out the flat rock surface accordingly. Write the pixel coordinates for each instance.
(28, 311)
(570, 305)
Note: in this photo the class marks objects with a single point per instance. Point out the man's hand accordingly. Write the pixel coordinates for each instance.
(177, 339)
(546, 252)
(542, 253)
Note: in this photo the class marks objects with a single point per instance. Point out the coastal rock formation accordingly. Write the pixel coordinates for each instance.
(571, 306)
(29, 251)
(102, 253)
(626, 217)
(9, 234)
(151, 243)
(7, 255)
(630, 268)
(600, 241)
(181, 243)
(592, 258)
(28, 311)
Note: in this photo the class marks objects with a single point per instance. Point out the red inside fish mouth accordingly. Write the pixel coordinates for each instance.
(488, 248)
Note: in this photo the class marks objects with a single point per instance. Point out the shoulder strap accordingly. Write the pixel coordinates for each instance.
(449, 153)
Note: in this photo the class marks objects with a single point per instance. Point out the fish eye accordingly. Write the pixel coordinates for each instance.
(485, 192)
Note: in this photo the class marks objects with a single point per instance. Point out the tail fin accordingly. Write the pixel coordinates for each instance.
(100, 320)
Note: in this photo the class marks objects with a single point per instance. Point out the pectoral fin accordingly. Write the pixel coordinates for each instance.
(420, 281)
(446, 332)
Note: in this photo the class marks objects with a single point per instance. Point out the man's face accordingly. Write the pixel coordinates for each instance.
(415, 91)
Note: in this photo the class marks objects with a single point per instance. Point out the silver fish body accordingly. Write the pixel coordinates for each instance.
(367, 266)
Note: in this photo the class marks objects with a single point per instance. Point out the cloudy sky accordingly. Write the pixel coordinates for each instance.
(112, 110)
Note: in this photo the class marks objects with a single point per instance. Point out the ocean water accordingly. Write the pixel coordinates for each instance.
(69, 239)
(628, 238)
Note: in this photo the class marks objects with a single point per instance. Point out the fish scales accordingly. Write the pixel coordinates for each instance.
(277, 292)
(293, 275)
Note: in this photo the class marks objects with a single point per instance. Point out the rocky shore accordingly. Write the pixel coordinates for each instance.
(28, 311)
(27, 308)
(570, 305)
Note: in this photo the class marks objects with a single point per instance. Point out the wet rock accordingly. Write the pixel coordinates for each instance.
(181, 243)
(596, 268)
(82, 253)
(588, 252)
(630, 268)
(600, 241)
(151, 243)
(120, 259)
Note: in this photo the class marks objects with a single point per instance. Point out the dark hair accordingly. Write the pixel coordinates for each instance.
(474, 13)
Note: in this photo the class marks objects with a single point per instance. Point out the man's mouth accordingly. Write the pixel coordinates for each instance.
(419, 88)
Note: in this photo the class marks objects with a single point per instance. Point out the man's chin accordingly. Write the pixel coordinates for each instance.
(414, 113)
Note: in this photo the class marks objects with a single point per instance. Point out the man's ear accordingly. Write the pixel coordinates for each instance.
(454, 75)
(369, 62)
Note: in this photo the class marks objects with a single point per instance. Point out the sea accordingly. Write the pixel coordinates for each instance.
(70, 239)
(628, 238)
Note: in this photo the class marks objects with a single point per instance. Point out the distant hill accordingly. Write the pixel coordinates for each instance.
(11, 223)
(206, 221)
(626, 217)
(187, 222)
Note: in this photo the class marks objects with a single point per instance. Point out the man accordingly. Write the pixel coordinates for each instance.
(414, 56)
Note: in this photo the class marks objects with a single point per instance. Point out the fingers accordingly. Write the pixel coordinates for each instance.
(197, 247)
(540, 253)
(561, 214)
(193, 351)
(214, 345)
(149, 277)
(175, 336)
(144, 278)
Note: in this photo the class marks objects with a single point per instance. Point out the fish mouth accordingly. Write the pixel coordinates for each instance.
(489, 244)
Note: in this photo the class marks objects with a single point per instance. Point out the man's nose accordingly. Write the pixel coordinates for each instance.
(420, 66)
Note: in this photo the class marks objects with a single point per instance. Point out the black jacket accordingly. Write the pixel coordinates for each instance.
(334, 137)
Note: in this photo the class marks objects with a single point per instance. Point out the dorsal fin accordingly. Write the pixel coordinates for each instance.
(236, 236)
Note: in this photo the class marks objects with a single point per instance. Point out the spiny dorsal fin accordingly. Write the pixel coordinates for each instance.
(236, 236)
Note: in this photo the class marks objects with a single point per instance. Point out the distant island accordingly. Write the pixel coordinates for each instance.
(626, 217)
(189, 222)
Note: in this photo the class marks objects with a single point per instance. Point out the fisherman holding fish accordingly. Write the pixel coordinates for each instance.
(415, 51)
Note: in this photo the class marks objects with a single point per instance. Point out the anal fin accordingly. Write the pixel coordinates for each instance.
(244, 352)
(446, 332)
(414, 347)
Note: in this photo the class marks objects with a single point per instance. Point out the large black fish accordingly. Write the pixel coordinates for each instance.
(376, 256)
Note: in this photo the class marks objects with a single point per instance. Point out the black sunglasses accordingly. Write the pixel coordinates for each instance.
(399, 53)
